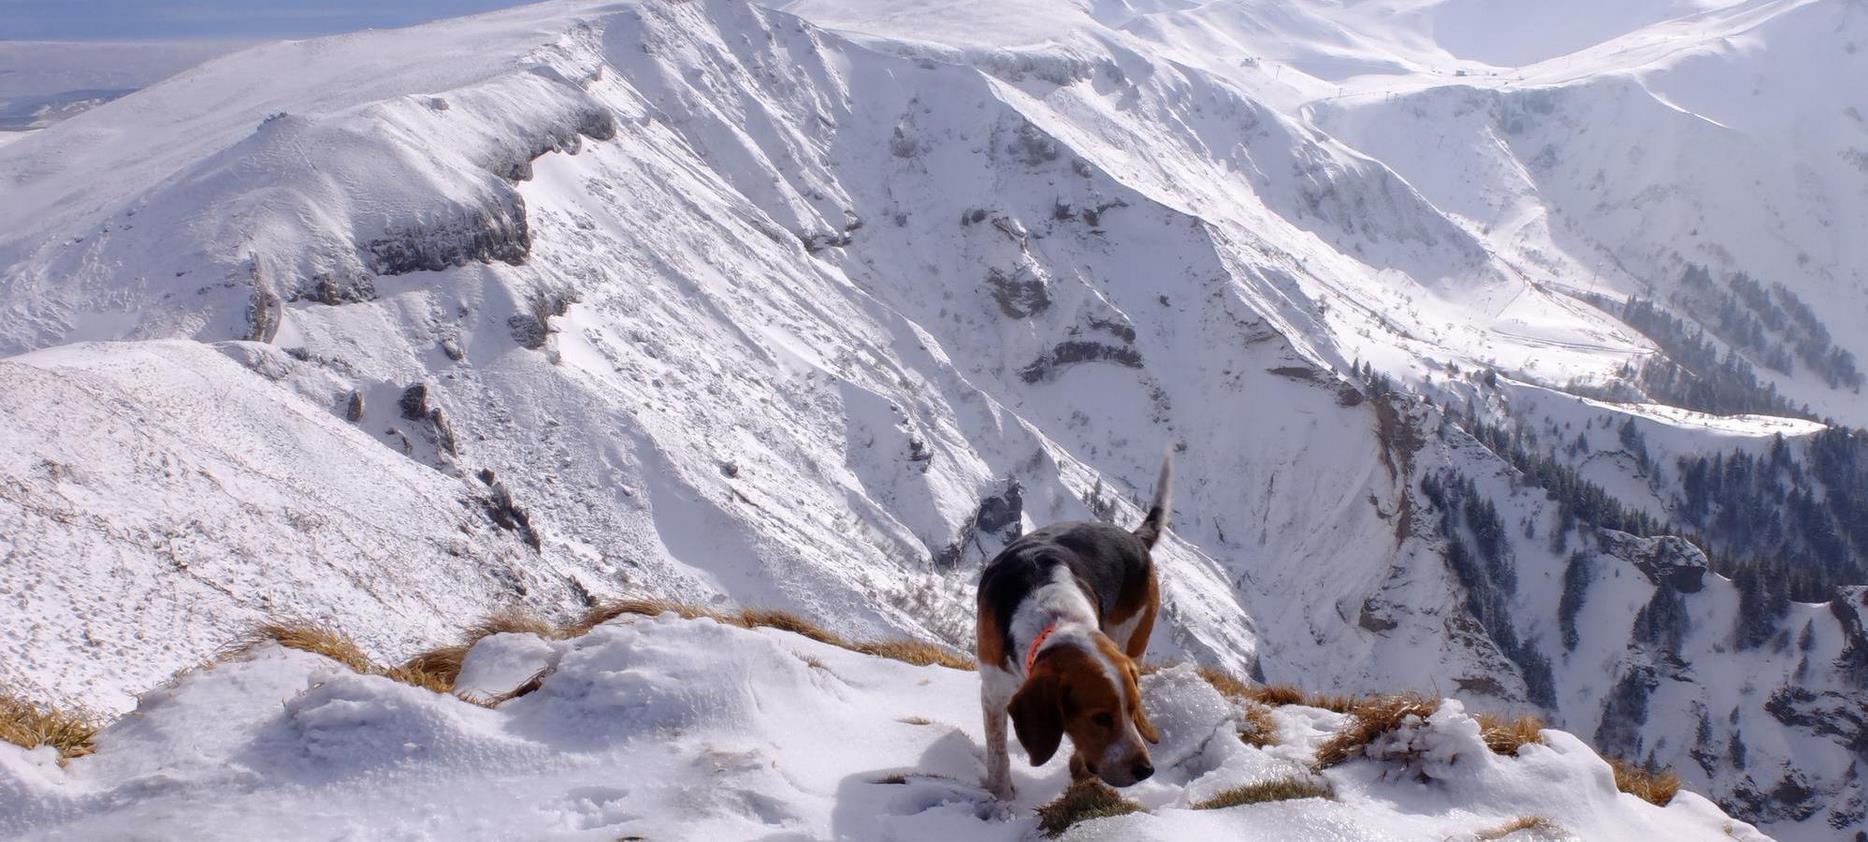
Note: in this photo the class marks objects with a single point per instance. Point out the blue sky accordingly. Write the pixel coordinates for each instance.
(38, 20)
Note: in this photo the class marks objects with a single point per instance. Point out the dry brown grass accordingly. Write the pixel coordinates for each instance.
(1081, 802)
(1373, 717)
(915, 652)
(1506, 736)
(1519, 825)
(1332, 702)
(640, 607)
(1257, 728)
(315, 638)
(435, 670)
(1657, 787)
(1282, 789)
(1279, 695)
(765, 618)
(1226, 683)
(1273, 695)
(512, 620)
(439, 669)
(28, 725)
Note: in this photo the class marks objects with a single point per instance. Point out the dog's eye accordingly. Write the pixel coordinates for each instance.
(1104, 720)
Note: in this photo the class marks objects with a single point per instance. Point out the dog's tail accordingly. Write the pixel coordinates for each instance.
(1156, 521)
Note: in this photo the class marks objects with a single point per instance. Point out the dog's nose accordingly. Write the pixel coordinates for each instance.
(1143, 770)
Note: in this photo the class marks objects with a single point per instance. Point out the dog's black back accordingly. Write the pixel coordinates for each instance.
(1108, 562)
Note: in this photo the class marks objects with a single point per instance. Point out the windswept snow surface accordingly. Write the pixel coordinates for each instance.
(815, 307)
(670, 729)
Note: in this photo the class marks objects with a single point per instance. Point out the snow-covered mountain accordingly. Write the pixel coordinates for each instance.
(814, 307)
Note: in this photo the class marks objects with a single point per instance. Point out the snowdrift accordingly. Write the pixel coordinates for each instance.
(669, 728)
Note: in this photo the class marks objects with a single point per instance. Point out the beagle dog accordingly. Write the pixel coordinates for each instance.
(1063, 614)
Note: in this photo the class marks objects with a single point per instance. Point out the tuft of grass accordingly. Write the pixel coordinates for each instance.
(1374, 716)
(896, 779)
(439, 669)
(315, 638)
(1657, 787)
(512, 620)
(1257, 729)
(29, 725)
(1273, 695)
(766, 618)
(434, 681)
(915, 720)
(436, 669)
(1081, 802)
(1281, 789)
(1226, 683)
(919, 653)
(1519, 825)
(1506, 736)
(639, 607)
(1332, 702)
(916, 652)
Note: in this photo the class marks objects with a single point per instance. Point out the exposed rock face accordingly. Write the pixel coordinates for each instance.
(533, 328)
(998, 521)
(1075, 351)
(1020, 293)
(497, 233)
(336, 288)
(1666, 560)
(1843, 717)
(1849, 608)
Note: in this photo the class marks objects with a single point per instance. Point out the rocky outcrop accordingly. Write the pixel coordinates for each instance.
(1072, 352)
(495, 233)
(1666, 560)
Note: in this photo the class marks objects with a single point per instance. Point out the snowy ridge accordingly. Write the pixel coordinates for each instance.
(816, 308)
(689, 729)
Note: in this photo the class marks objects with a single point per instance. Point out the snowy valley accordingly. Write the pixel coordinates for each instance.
(1508, 355)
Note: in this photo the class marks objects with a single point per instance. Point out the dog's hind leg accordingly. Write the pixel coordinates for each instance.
(1137, 644)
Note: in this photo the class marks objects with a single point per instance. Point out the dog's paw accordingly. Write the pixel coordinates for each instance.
(994, 810)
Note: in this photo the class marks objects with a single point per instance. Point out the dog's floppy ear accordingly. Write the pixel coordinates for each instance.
(1142, 725)
(1038, 716)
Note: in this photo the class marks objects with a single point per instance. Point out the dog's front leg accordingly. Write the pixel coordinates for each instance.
(992, 700)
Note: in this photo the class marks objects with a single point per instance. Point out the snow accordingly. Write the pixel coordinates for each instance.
(666, 728)
(756, 306)
(42, 82)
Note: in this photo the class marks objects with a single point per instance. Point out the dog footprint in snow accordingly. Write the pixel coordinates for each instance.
(921, 793)
(593, 807)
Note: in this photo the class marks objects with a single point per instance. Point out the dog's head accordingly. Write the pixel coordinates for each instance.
(1089, 690)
